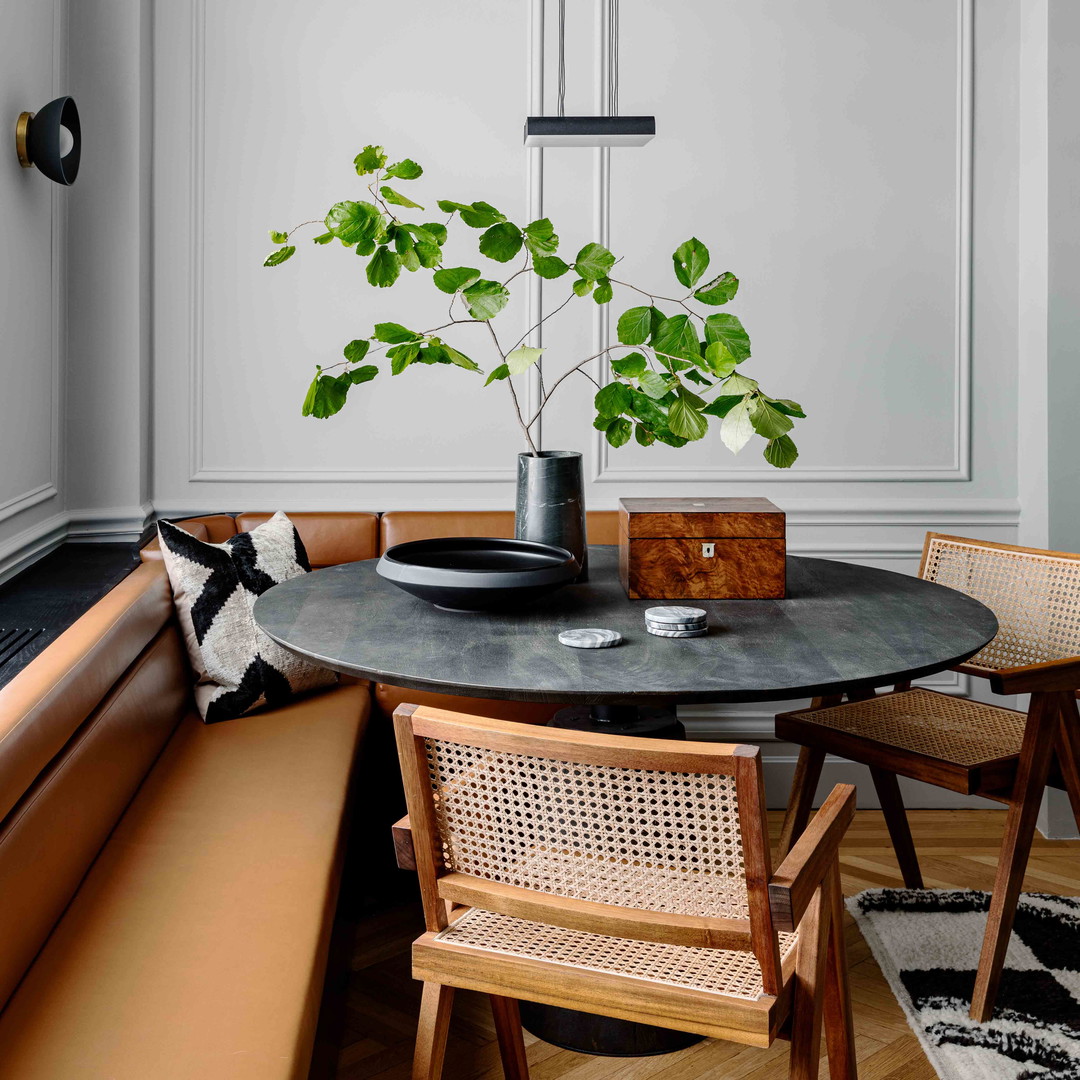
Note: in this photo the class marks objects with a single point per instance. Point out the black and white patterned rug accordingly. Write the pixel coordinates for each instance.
(927, 944)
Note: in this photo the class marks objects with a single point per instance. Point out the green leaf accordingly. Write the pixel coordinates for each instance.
(501, 242)
(422, 234)
(459, 359)
(428, 255)
(369, 160)
(691, 261)
(278, 237)
(582, 287)
(550, 266)
(394, 333)
(685, 421)
(721, 362)
(401, 356)
(656, 386)
(727, 330)
(395, 197)
(665, 435)
(722, 405)
(781, 453)
(718, 291)
(384, 268)
(643, 435)
(739, 384)
(454, 278)
(789, 408)
(324, 238)
(631, 366)
(635, 325)
(593, 262)
(690, 397)
(477, 215)
(613, 399)
(361, 374)
(501, 372)
(276, 258)
(325, 396)
(769, 422)
(352, 222)
(604, 291)
(405, 169)
(619, 431)
(522, 358)
(646, 410)
(737, 429)
(695, 376)
(485, 299)
(540, 237)
(676, 337)
(356, 350)
(403, 242)
(437, 231)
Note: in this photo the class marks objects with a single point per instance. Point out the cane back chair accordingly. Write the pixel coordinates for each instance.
(963, 745)
(626, 877)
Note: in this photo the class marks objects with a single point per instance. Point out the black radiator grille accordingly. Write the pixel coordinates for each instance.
(14, 640)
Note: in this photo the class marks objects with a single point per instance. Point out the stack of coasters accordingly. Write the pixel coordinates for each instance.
(677, 621)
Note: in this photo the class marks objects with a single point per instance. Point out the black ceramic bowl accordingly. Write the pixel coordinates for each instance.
(467, 573)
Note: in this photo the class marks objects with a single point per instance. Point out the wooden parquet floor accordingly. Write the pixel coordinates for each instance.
(958, 849)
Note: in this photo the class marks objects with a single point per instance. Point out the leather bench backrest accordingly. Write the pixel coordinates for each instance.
(83, 725)
(400, 526)
(329, 538)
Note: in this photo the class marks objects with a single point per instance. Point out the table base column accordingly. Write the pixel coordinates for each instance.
(642, 722)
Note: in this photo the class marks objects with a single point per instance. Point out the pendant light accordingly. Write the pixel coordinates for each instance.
(609, 130)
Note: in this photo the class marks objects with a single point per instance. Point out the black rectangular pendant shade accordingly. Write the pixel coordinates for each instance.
(589, 130)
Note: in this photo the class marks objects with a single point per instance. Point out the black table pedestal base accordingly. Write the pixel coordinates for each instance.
(642, 722)
(584, 1032)
(604, 1036)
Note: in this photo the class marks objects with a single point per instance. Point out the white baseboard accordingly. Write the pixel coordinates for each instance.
(110, 525)
(33, 543)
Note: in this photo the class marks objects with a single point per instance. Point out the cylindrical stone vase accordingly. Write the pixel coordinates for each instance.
(551, 503)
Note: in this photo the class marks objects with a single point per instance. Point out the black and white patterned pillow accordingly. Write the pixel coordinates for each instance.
(215, 587)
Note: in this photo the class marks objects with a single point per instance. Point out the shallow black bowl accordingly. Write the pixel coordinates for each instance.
(468, 573)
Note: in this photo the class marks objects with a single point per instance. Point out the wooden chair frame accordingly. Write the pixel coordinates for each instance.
(1051, 735)
(803, 893)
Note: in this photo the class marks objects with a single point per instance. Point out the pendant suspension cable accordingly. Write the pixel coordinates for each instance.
(613, 57)
(562, 58)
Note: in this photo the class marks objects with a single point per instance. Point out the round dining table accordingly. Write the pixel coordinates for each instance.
(841, 628)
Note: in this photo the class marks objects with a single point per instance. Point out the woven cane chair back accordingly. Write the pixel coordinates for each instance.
(1034, 594)
(632, 837)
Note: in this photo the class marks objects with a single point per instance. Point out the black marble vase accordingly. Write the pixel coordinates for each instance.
(551, 503)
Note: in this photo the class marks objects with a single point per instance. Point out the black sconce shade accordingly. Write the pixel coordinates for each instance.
(37, 140)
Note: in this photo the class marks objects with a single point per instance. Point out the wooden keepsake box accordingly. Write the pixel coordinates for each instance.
(702, 549)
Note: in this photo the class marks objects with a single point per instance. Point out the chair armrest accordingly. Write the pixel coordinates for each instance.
(403, 845)
(1052, 675)
(799, 875)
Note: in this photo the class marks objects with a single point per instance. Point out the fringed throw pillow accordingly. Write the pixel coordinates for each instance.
(215, 586)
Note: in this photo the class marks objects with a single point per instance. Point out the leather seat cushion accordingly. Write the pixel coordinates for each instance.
(329, 538)
(388, 698)
(196, 945)
(400, 526)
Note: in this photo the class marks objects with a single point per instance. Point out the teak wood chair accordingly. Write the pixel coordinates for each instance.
(626, 877)
(964, 745)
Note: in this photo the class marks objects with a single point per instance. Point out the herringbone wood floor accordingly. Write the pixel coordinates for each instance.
(958, 849)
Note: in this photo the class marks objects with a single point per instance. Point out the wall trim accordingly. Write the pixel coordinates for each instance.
(110, 524)
(18, 503)
(960, 467)
(31, 544)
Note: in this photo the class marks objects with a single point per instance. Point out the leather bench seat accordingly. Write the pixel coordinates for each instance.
(195, 946)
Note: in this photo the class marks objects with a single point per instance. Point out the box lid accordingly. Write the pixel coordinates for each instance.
(733, 517)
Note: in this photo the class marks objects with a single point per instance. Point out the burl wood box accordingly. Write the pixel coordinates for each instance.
(702, 549)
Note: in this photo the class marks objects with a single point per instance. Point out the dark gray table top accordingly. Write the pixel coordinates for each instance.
(842, 626)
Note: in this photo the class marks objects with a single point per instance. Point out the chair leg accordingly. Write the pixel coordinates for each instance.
(508, 1031)
(839, 1026)
(892, 806)
(431, 1031)
(803, 788)
(1039, 737)
(1068, 752)
(809, 992)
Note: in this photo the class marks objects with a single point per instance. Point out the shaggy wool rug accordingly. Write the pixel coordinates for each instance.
(927, 944)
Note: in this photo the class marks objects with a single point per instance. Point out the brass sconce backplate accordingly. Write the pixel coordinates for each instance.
(21, 127)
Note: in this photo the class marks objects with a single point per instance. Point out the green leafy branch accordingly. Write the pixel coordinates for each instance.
(667, 377)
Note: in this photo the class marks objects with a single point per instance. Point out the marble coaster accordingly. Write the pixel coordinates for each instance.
(678, 633)
(702, 625)
(591, 638)
(676, 615)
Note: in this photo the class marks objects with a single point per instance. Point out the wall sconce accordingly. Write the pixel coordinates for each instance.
(51, 140)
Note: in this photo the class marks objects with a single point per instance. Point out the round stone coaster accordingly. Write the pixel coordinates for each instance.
(590, 638)
(678, 633)
(676, 615)
(676, 625)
